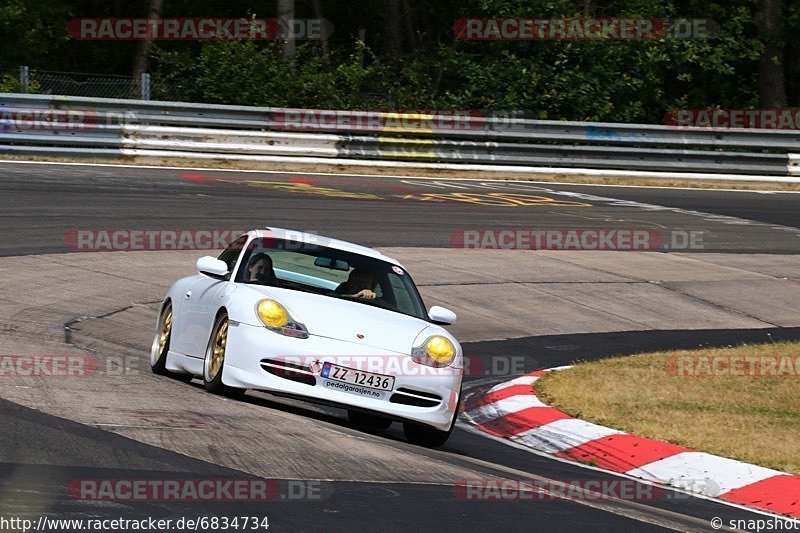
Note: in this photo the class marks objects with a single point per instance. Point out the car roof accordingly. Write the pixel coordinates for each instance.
(313, 238)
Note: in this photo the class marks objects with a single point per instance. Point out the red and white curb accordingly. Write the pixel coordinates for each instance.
(512, 411)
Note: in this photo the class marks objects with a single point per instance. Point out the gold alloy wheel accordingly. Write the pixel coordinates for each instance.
(163, 336)
(218, 350)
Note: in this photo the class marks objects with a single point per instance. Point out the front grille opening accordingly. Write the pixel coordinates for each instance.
(290, 371)
(416, 398)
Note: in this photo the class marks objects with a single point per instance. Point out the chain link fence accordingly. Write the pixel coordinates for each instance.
(36, 81)
(79, 84)
(166, 89)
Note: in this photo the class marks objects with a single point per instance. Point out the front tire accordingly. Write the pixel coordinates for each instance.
(426, 436)
(214, 360)
(368, 421)
(421, 435)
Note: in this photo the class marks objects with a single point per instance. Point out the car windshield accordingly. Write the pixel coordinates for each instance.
(330, 272)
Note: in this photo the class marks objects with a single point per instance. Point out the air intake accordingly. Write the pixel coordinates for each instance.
(415, 398)
(290, 371)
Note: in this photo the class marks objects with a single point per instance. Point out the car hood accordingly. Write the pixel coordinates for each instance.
(343, 320)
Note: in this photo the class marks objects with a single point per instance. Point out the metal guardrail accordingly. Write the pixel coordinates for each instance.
(114, 128)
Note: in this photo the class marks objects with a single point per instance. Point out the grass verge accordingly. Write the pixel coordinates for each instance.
(742, 402)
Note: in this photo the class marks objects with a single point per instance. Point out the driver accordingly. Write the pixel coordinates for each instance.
(260, 270)
(358, 285)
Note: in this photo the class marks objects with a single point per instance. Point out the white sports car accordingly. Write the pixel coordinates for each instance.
(319, 319)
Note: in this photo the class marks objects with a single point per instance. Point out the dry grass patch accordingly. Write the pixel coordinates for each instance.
(753, 418)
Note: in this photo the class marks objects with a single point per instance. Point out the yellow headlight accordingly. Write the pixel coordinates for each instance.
(440, 349)
(272, 314)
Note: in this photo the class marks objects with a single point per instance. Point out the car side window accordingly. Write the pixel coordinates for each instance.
(232, 252)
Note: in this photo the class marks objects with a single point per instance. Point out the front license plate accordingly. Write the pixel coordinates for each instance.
(357, 377)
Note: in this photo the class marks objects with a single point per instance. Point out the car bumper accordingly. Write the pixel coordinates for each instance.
(434, 391)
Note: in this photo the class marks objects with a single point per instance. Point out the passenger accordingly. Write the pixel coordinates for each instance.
(260, 269)
(358, 285)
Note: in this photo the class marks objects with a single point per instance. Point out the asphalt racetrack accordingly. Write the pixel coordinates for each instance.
(724, 270)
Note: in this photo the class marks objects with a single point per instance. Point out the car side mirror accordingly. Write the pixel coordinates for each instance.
(212, 267)
(442, 316)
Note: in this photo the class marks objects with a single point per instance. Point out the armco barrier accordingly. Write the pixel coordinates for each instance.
(96, 127)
